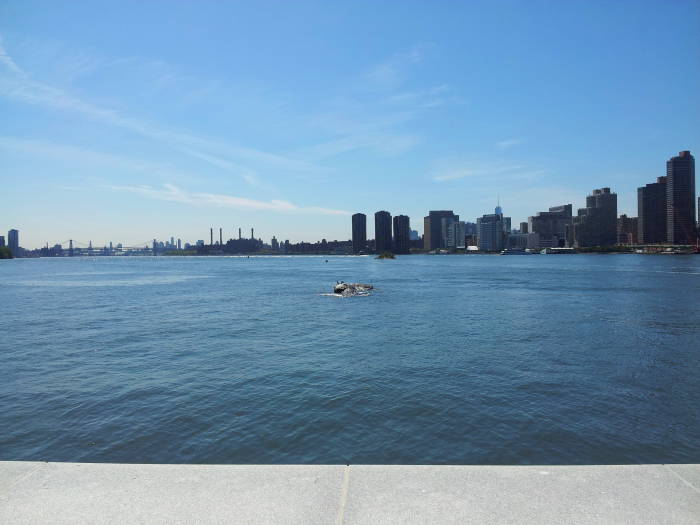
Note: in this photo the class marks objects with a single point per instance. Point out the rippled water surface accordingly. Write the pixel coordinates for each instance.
(452, 359)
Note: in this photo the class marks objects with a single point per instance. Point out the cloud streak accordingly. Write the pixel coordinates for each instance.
(488, 171)
(171, 193)
(509, 143)
(16, 84)
(82, 156)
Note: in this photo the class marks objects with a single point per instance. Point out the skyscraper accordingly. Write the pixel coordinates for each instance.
(382, 231)
(402, 232)
(13, 242)
(552, 227)
(651, 213)
(680, 199)
(432, 228)
(359, 233)
(456, 234)
(596, 224)
(492, 233)
(2, 241)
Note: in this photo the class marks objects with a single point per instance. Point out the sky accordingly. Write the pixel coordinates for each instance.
(128, 121)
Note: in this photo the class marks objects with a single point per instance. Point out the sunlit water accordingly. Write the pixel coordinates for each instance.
(452, 359)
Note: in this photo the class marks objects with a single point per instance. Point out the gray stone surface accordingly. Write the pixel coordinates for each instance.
(633, 494)
(118, 493)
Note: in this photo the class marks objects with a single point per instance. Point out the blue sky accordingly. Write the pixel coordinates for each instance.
(126, 121)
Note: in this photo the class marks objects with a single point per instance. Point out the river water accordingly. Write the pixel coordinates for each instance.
(452, 359)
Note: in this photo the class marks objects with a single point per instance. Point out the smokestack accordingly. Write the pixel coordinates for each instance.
(221, 238)
(251, 234)
(211, 236)
(239, 234)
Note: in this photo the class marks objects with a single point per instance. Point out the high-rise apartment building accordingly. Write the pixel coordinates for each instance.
(651, 213)
(553, 227)
(402, 234)
(627, 228)
(359, 233)
(596, 224)
(680, 199)
(382, 231)
(2, 241)
(432, 228)
(13, 242)
(456, 235)
(445, 225)
(493, 231)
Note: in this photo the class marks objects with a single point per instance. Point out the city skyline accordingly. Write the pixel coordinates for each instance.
(666, 214)
(293, 124)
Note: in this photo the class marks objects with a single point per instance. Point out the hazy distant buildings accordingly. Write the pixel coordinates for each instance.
(493, 231)
(523, 241)
(456, 234)
(413, 235)
(432, 228)
(13, 242)
(382, 231)
(2, 241)
(553, 227)
(359, 233)
(596, 224)
(680, 199)
(445, 227)
(651, 212)
(627, 228)
(402, 232)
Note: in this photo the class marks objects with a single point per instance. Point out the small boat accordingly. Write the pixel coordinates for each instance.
(515, 251)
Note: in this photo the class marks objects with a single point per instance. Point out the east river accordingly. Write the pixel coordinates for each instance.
(546, 359)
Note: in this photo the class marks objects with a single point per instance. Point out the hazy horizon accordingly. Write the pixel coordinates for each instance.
(130, 121)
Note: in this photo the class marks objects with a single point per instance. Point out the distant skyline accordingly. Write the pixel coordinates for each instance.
(129, 121)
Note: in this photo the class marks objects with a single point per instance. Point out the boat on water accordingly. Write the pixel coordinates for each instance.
(516, 251)
(549, 251)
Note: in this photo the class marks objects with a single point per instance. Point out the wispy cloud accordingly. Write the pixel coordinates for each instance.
(85, 157)
(487, 171)
(374, 113)
(509, 143)
(6, 60)
(169, 192)
(18, 85)
(391, 73)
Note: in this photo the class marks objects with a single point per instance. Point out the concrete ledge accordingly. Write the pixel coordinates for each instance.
(121, 493)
